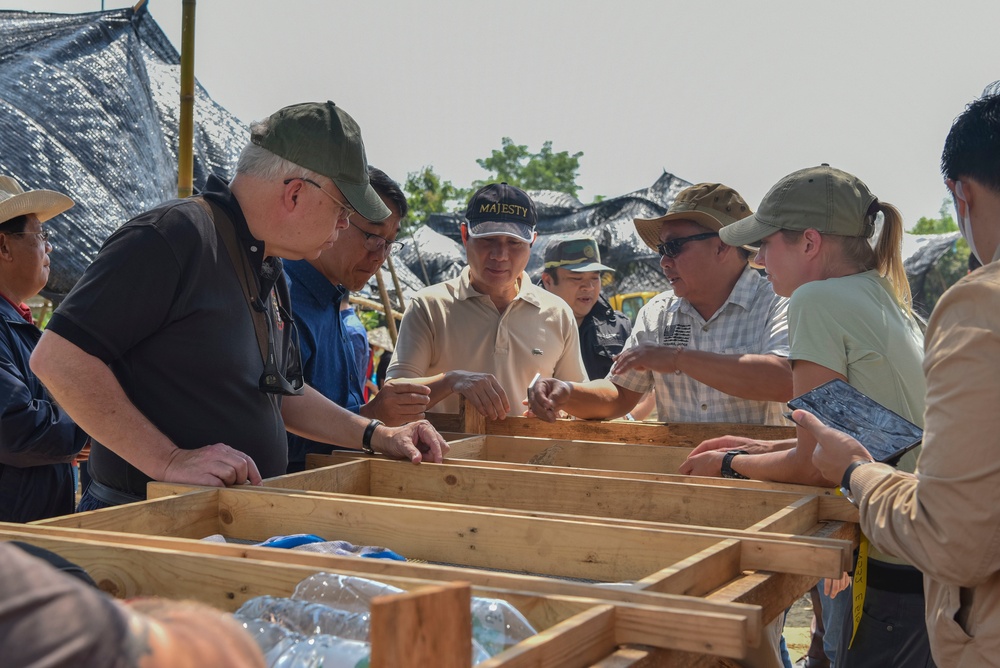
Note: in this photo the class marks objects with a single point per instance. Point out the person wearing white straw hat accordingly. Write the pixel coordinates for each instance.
(38, 440)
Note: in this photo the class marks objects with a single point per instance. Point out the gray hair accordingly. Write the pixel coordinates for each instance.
(262, 164)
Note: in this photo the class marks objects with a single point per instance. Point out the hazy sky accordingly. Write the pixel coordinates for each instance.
(741, 92)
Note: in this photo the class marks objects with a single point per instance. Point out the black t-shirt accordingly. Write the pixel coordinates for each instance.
(163, 306)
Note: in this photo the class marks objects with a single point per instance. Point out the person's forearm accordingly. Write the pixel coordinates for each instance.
(599, 399)
(442, 385)
(89, 392)
(756, 377)
(792, 465)
(313, 416)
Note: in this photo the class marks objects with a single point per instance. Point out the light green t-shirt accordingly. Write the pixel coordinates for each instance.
(853, 326)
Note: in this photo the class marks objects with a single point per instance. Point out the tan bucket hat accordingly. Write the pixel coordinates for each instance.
(14, 201)
(712, 205)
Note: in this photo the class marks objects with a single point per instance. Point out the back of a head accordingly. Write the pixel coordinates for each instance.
(972, 148)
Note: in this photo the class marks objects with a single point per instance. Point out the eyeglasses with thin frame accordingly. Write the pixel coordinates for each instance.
(377, 244)
(42, 236)
(346, 210)
(673, 247)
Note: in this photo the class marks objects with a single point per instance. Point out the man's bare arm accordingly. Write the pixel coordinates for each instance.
(756, 377)
(87, 389)
(592, 399)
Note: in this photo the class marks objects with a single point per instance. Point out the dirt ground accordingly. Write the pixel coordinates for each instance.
(797, 628)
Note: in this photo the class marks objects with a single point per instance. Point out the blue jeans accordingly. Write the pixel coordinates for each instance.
(836, 613)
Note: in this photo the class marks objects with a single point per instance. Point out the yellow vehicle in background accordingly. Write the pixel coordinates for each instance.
(630, 303)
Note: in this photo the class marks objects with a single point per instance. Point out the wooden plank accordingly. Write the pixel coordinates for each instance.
(396, 573)
(832, 505)
(699, 574)
(226, 583)
(599, 496)
(189, 516)
(430, 626)
(688, 434)
(778, 552)
(579, 641)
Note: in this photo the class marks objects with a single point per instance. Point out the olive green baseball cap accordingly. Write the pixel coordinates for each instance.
(575, 254)
(822, 198)
(322, 137)
(711, 205)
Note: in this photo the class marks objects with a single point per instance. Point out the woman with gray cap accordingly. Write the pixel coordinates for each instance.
(849, 317)
(37, 439)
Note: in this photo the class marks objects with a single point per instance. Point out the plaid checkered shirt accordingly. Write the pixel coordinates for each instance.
(753, 320)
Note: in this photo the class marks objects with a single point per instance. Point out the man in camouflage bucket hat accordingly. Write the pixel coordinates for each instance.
(573, 271)
(177, 350)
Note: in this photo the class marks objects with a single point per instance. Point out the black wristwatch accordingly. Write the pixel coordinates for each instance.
(845, 482)
(727, 465)
(366, 440)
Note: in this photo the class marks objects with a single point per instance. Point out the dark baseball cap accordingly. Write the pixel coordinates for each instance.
(322, 137)
(501, 209)
(578, 254)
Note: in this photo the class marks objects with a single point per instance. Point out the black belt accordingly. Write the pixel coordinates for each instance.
(895, 578)
(110, 495)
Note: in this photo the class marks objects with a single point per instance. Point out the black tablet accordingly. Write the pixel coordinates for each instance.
(885, 435)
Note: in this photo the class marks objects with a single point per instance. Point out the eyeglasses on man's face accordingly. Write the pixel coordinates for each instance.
(674, 247)
(42, 236)
(376, 244)
(346, 210)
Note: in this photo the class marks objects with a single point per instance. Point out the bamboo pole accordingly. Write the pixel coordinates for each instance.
(396, 283)
(387, 305)
(374, 306)
(185, 133)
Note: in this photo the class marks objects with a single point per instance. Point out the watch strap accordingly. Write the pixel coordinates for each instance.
(727, 465)
(845, 482)
(366, 439)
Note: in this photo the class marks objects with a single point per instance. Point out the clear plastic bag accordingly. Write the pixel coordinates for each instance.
(496, 624)
(309, 619)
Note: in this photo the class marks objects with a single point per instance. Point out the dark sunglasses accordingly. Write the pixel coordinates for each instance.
(673, 247)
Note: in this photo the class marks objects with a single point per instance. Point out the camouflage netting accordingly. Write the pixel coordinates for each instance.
(89, 106)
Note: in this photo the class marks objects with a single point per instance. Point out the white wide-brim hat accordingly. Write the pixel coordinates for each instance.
(14, 201)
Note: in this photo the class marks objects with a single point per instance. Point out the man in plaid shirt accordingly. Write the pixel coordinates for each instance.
(714, 348)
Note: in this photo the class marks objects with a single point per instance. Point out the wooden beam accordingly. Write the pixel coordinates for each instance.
(226, 583)
(686, 434)
(430, 626)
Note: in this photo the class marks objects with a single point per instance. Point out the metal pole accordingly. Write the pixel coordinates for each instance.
(185, 133)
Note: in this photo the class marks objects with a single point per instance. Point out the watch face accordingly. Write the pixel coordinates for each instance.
(846, 491)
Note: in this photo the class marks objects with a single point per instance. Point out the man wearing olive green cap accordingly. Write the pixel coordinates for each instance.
(573, 271)
(177, 350)
(714, 347)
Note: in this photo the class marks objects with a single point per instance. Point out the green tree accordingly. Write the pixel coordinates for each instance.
(545, 170)
(952, 266)
(428, 193)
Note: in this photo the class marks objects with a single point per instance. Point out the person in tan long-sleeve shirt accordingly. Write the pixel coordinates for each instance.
(945, 518)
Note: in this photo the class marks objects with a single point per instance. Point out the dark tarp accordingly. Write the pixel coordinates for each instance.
(560, 215)
(89, 107)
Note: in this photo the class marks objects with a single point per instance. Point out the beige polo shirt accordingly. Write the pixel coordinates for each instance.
(452, 326)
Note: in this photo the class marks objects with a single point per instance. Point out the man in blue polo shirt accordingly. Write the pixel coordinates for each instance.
(329, 361)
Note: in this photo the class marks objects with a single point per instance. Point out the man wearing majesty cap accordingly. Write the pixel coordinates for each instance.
(486, 333)
(714, 348)
(573, 271)
(38, 440)
(177, 350)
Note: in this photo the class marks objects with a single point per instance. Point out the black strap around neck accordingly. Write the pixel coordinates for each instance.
(244, 271)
